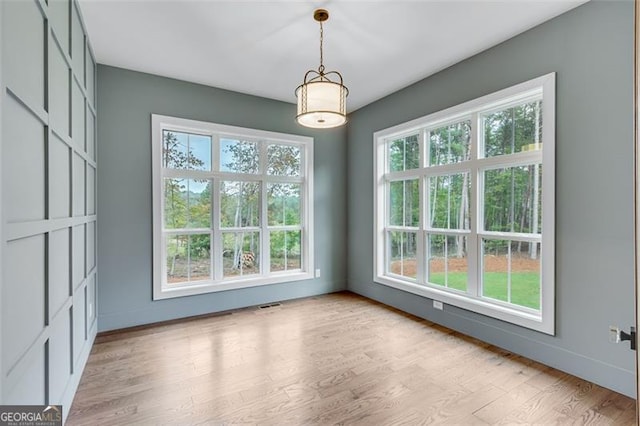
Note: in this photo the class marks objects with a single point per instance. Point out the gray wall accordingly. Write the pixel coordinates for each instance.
(126, 101)
(591, 49)
(48, 202)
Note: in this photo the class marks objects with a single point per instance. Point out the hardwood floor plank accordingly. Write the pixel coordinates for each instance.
(456, 410)
(506, 404)
(614, 407)
(304, 415)
(333, 359)
(627, 418)
(543, 402)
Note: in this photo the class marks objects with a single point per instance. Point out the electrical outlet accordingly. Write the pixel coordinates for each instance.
(614, 334)
(318, 273)
(438, 305)
(90, 310)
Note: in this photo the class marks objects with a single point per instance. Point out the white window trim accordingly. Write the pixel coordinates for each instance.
(163, 291)
(544, 320)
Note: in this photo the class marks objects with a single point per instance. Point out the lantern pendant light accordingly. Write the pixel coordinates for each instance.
(322, 97)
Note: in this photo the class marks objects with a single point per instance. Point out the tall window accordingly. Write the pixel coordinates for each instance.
(232, 207)
(464, 212)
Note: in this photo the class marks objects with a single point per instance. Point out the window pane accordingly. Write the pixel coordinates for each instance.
(239, 204)
(285, 247)
(449, 201)
(241, 253)
(450, 144)
(200, 152)
(495, 269)
(404, 196)
(447, 265)
(187, 203)
(174, 152)
(404, 154)
(177, 258)
(199, 257)
(186, 151)
(284, 204)
(402, 253)
(513, 130)
(239, 156)
(188, 258)
(512, 199)
(283, 160)
(511, 272)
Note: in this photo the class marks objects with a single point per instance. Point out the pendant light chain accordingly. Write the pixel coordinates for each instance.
(321, 67)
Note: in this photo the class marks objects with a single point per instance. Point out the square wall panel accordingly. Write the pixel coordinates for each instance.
(59, 274)
(91, 190)
(23, 22)
(59, 356)
(59, 91)
(91, 301)
(91, 246)
(91, 70)
(22, 163)
(77, 117)
(78, 260)
(78, 185)
(79, 334)
(59, 178)
(28, 389)
(23, 301)
(91, 135)
(59, 14)
(77, 45)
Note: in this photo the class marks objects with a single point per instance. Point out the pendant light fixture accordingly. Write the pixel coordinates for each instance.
(322, 97)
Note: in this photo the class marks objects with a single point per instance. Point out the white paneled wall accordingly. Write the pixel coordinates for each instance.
(47, 189)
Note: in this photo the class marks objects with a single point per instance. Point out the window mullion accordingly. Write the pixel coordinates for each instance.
(262, 158)
(216, 241)
(286, 228)
(265, 265)
(425, 213)
(474, 252)
(185, 231)
(189, 258)
(214, 231)
(163, 264)
(302, 220)
(265, 234)
(215, 153)
(242, 229)
(308, 261)
(420, 237)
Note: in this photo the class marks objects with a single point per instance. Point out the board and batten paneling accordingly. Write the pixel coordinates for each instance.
(47, 189)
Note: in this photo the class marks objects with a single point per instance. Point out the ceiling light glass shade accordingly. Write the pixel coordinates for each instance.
(322, 103)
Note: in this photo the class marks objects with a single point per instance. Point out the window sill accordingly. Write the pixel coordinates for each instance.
(203, 287)
(477, 305)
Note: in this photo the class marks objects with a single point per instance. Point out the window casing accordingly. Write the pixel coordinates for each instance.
(232, 207)
(464, 213)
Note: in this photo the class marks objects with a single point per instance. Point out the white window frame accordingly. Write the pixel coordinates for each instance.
(162, 290)
(539, 88)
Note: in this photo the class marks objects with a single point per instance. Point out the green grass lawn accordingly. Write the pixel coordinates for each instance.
(525, 286)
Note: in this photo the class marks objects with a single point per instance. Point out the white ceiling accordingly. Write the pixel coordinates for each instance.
(264, 47)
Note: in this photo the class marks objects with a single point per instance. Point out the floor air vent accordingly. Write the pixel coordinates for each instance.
(269, 306)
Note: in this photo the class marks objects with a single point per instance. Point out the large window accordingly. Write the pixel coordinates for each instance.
(464, 202)
(232, 207)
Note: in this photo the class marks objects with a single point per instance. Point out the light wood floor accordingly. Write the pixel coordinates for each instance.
(330, 359)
